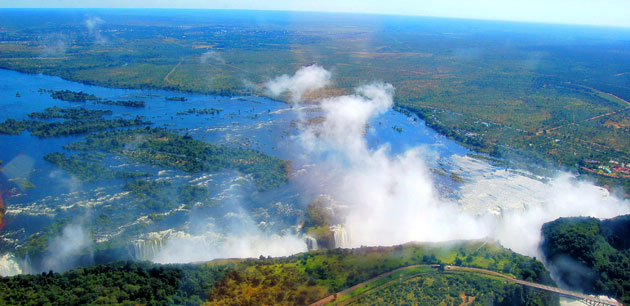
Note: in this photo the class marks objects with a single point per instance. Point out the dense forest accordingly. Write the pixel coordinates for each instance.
(119, 283)
(590, 254)
(295, 280)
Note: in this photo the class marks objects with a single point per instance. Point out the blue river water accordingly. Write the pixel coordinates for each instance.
(252, 122)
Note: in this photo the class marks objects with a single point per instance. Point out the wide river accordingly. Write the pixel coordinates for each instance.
(252, 122)
(416, 186)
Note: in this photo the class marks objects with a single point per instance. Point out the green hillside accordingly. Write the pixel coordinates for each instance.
(295, 280)
(591, 255)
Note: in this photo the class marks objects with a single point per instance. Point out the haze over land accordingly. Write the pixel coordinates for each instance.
(605, 12)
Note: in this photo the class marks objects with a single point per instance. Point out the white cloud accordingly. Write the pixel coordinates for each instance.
(304, 80)
(392, 199)
(211, 56)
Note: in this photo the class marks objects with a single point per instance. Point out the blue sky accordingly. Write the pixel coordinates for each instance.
(592, 12)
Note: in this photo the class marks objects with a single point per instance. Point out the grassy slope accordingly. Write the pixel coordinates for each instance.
(308, 277)
(431, 288)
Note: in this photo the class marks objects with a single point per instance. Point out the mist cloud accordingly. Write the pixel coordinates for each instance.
(65, 248)
(211, 56)
(304, 80)
(234, 234)
(198, 248)
(564, 196)
(54, 45)
(93, 26)
(391, 198)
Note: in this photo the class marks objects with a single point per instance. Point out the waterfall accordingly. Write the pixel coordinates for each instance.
(340, 236)
(311, 243)
(26, 265)
(9, 266)
(146, 249)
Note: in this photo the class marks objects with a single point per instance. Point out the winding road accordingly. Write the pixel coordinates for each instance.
(587, 299)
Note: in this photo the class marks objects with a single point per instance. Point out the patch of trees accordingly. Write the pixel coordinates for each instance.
(454, 289)
(180, 99)
(162, 195)
(202, 111)
(591, 255)
(88, 168)
(474, 143)
(153, 195)
(308, 277)
(120, 283)
(69, 113)
(298, 279)
(128, 103)
(65, 128)
(72, 96)
(317, 221)
(166, 149)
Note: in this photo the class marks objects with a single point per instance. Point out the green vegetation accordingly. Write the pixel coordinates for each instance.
(441, 172)
(308, 277)
(456, 178)
(453, 289)
(189, 194)
(180, 99)
(590, 254)
(317, 222)
(68, 127)
(128, 103)
(69, 113)
(401, 274)
(547, 94)
(37, 245)
(405, 112)
(87, 168)
(153, 195)
(298, 279)
(72, 96)
(120, 283)
(169, 150)
(27, 185)
(203, 111)
(163, 195)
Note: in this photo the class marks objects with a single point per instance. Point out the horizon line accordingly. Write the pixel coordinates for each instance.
(626, 27)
